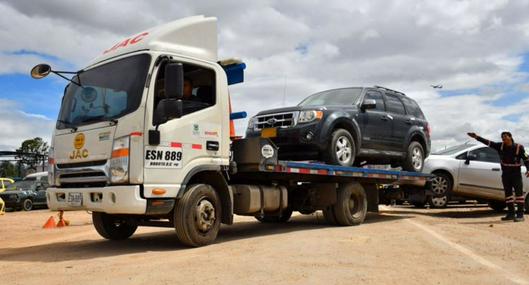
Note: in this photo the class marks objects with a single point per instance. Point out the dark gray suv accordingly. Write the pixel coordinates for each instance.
(349, 126)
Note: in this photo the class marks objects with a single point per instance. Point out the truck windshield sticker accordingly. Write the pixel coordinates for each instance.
(163, 157)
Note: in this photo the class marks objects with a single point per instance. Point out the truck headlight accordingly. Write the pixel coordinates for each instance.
(119, 162)
(309, 116)
(251, 123)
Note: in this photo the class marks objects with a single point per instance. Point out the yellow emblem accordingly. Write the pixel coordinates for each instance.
(78, 141)
(78, 144)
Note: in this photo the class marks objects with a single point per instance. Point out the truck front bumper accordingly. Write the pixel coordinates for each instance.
(124, 199)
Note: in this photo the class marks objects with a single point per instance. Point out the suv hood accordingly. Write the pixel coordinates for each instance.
(301, 108)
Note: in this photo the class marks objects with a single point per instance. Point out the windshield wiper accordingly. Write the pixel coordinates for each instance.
(68, 125)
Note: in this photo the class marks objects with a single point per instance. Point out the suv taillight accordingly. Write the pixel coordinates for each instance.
(428, 130)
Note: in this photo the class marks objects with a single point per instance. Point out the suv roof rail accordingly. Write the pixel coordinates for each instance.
(387, 89)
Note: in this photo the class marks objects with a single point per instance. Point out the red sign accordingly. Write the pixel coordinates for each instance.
(127, 42)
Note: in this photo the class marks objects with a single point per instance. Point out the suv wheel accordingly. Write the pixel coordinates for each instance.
(414, 158)
(342, 148)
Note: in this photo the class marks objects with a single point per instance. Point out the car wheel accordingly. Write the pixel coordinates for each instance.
(27, 205)
(414, 158)
(342, 148)
(441, 187)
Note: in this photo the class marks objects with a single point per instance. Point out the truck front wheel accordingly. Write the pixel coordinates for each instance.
(197, 216)
(351, 205)
(112, 227)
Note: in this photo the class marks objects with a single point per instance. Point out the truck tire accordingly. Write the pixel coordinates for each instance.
(351, 205)
(285, 217)
(27, 205)
(328, 214)
(497, 206)
(341, 149)
(112, 227)
(414, 158)
(197, 216)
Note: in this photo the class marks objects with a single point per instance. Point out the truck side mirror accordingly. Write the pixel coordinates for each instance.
(369, 104)
(174, 80)
(166, 110)
(470, 156)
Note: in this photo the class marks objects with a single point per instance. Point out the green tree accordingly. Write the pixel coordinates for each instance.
(8, 169)
(33, 152)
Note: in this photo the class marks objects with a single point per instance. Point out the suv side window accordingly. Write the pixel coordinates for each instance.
(394, 105)
(412, 108)
(377, 96)
(486, 154)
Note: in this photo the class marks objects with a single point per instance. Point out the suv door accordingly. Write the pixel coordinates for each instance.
(481, 177)
(374, 123)
(399, 127)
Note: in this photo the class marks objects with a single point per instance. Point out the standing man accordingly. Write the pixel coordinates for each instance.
(511, 156)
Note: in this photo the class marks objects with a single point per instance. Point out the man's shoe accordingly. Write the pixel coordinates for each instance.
(519, 218)
(509, 217)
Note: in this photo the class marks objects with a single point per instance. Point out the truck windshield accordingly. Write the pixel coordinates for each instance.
(343, 97)
(108, 92)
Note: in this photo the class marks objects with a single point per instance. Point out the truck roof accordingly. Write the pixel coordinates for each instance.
(192, 36)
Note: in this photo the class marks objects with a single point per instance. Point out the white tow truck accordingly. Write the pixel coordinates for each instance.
(144, 138)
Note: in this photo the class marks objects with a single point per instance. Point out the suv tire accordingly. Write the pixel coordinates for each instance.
(341, 149)
(414, 158)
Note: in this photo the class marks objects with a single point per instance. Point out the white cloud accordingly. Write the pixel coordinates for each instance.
(405, 45)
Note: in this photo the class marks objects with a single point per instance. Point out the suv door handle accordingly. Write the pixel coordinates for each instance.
(495, 169)
(408, 121)
(386, 117)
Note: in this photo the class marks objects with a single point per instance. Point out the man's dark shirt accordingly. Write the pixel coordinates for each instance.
(511, 156)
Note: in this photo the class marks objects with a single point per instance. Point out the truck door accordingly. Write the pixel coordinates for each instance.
(399, 127)
(374, 123)
(481, 175)
(198, 139)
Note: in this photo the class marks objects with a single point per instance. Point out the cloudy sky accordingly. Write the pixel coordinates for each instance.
(478, 51)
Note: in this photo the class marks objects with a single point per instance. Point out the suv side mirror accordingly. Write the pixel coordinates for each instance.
(369, 104)
(166, 110)
(470, 156)
(174, 80)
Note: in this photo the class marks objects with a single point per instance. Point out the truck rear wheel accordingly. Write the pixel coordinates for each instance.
(285, 217)
(197, 216)
(351, 205)
(112, 227)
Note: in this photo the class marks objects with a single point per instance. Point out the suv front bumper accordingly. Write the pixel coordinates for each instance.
(125, 199)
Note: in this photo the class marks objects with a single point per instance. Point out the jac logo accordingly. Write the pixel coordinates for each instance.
(78, 143)
(127, 42)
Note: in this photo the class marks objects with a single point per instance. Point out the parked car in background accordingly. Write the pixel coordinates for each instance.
(468, 171)
(349, 126)
(27, 193)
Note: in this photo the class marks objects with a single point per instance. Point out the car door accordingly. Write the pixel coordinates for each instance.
(397, 116)
(480, 176)
(42, 185)
(374, 122)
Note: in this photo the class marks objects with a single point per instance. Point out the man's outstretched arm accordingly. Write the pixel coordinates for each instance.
(491, 144)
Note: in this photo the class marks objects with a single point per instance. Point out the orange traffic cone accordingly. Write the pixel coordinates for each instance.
(50, 224)
(62, 222)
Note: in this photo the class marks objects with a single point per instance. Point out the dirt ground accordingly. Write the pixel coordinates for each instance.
(465, 244)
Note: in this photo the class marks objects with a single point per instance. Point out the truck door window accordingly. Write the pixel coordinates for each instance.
(199, 88)
(394, 105)
(377, 96)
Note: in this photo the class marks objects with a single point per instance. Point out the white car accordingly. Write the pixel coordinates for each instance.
(470, 171)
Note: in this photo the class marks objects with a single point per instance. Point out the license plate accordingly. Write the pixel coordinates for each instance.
(269, 133)
(75, 199)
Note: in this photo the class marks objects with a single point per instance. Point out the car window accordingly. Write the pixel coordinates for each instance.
(377, 96)
(486, 154)
(412, 107)
(394, 105)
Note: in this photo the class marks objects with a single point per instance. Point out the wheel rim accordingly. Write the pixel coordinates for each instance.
(205, 215)
(416, 158)
(28, 205)
(440, 188)
(343, 150)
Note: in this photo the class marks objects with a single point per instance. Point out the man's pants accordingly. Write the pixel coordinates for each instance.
(513, 181)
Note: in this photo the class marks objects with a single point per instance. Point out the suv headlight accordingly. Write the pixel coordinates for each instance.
(119, 162)
(309, 116)
(251, 122)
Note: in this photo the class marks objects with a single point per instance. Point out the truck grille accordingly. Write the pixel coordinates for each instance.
(84, 174)
(279, 120)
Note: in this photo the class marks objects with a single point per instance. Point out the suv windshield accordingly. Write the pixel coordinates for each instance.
(108, 92)
(453, 150)
(343, 97)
